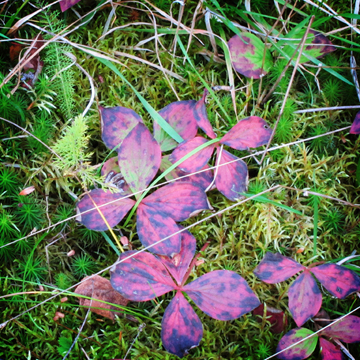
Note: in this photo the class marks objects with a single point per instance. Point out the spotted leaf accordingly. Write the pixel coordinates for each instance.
(248, 133)
(153, 226)
(114, 211)
(346, 330)
(222, 294)
(116, 123)
(355, 126)
(338, 280)
(304, 298)
(249, 55)
(299, 351)
(139, 158)
(330, 351)
(274, 268)
(181, 328)
(67, 4)
(140, 278)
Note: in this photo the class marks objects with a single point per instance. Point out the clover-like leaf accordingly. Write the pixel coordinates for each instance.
(355, 126)
(330, 351)
(346, 330)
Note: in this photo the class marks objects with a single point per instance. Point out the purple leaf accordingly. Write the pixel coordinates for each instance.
(338, 280)
(196, 161)
(67, 4)
(179, 264)
(140, 278)
(232, 179)
(300, 351)
(355, 126)
(181, 328)
(113, 212)
(274, 268)
(139, 157)
(346, 330)
(152, 226)
(202, 119)
(304, 298)
(116, 123)
(222, 294)
(329, 351)
(248, 133)
(110, 165)
(275, 317)
(178, 200)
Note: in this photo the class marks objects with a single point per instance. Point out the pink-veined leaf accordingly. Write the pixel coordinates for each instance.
(304, 298)
(222, 294)
(179, 264)
(330, 351)
(113, 212)
(338, 280)
(140, 278)
(274, 268)
(152, 226)
(116, 123)
(355, 126)
(346, 330)
(139, 157)
(181, 328)
(178, 200)
(248, 133)
(196, 161)
(277, 318)
(300, 351)
(201, 117)
(67, 4)
(232, 179)
(110, 165)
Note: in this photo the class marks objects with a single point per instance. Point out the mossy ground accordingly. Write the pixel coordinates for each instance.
(238, 238)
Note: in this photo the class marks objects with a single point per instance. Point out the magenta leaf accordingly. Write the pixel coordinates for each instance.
(116, 123)
(179, 264)
(248, 133)
(222, 294)
(140, 278)
(346, 330)
(181, 328)
(152, 226)
(113, 212)
(300, 351)
(274, 268)
(139, 158)
(202, 119)
(355, 126)
(231, 179)
(178, 200)
(110, 165)
(277, 318)
(67, 4)
(304, 298)
(338, 280)
(330, 351)
(196, 161)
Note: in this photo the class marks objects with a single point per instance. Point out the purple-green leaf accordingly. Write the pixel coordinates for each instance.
(110, 165)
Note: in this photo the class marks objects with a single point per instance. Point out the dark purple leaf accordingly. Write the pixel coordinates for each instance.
(330, 351)
(153, 226)
(355, 126)
(139, 157)
(67, 4)
(110, 165)
(222, 294)
(202, 119)
(178, 200)
(248, 133)
(140, 278)
(277, 318)
(181, 328)
(113, 212)
(346, 330)
(116, 123)
(300, 351)
(275, 268)
(196, 161)
(232, 179)
(304, 298)
(338, 280)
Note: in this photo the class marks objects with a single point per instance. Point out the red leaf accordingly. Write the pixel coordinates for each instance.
(355, 126)
(179, 264)
(300, 351)
(338, 280)
(110, 165)
(304, 298)
(231, 179)
(113, 212)
(178, 200)
(346, 330)
(222, 294)
(248, 133)
(152, 226)
(139, 157)
(140, 278)
(181, 328)
(275, 268)
(277, 318)
(67, 4)
(202, 119)
(116, 123)
(329, 351)
(196, 161)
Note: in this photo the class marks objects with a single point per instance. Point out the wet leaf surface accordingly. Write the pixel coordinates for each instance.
(346, 330)
(330, 351)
